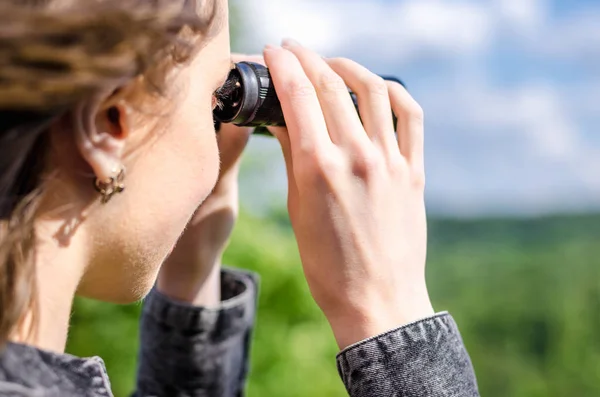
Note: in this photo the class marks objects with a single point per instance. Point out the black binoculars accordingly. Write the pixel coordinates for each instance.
(248, 98)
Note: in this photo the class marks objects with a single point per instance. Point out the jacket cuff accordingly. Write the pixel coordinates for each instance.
(235, 311)
(423, 358)
(188, 350)
(357, 345)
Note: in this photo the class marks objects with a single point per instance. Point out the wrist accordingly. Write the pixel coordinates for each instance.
(354, 324)
(196, 285)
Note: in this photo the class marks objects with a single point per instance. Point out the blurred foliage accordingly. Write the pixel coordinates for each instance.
(525, 294)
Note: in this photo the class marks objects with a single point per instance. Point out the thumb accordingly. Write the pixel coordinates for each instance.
(281, 133)
(232, 140)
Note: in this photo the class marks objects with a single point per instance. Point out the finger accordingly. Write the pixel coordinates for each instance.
(373, 102)
(282, 135)
(232, 141)
(340, 114)
(303, 116)
(235, 58)
(410, 124)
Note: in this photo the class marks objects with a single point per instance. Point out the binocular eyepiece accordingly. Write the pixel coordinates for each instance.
(248, 98)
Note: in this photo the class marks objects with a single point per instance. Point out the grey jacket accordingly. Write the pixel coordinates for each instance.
(193, 351)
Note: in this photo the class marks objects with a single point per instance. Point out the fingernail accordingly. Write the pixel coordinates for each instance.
(290, 43)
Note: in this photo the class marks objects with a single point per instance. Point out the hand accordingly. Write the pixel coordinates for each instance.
(356, 193)
(192, 272)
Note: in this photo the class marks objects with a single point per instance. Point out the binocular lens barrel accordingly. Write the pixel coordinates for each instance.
(248, 98)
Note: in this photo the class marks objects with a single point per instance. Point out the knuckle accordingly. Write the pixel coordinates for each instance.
(328, 164)
(415, 111)
(396, 87)
(366, 163)
(417, 179)
(412, 110)
(331, 83)
(344, 62)
(398, 164)
(406, 103)
(376, 86)
(300, 89)
(319, 166)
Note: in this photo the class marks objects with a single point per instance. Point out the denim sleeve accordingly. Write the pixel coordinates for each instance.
(423, 359)
(195, 351)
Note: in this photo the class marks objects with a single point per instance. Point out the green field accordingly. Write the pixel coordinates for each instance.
(525, 293)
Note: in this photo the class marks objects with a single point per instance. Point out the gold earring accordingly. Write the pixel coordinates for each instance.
(110, 187)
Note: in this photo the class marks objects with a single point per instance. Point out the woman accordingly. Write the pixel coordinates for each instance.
(107, 153)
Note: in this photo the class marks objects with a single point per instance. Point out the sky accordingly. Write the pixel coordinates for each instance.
(510, 90)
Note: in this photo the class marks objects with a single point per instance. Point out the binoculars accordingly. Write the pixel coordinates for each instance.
(248, 98)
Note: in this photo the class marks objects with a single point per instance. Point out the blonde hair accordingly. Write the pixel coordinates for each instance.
(53, 54)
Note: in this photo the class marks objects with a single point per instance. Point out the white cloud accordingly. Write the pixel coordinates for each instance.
(315, 24)
(403, 30)
(532, 115)
(396, 30)
(536, 132)
(577, 36)
(545, 157)
(573, 36)
(523, 15)
(436, 25)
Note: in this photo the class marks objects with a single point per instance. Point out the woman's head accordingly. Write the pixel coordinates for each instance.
(87, 89)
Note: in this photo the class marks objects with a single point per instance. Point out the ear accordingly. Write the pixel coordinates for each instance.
(100, 129)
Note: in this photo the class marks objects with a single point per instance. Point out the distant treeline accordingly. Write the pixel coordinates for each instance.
(525, 293)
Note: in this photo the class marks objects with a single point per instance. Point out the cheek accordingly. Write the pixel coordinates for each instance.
(175, 176)
(165, 184)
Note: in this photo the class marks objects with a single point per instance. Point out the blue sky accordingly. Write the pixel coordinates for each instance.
(510, 89)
